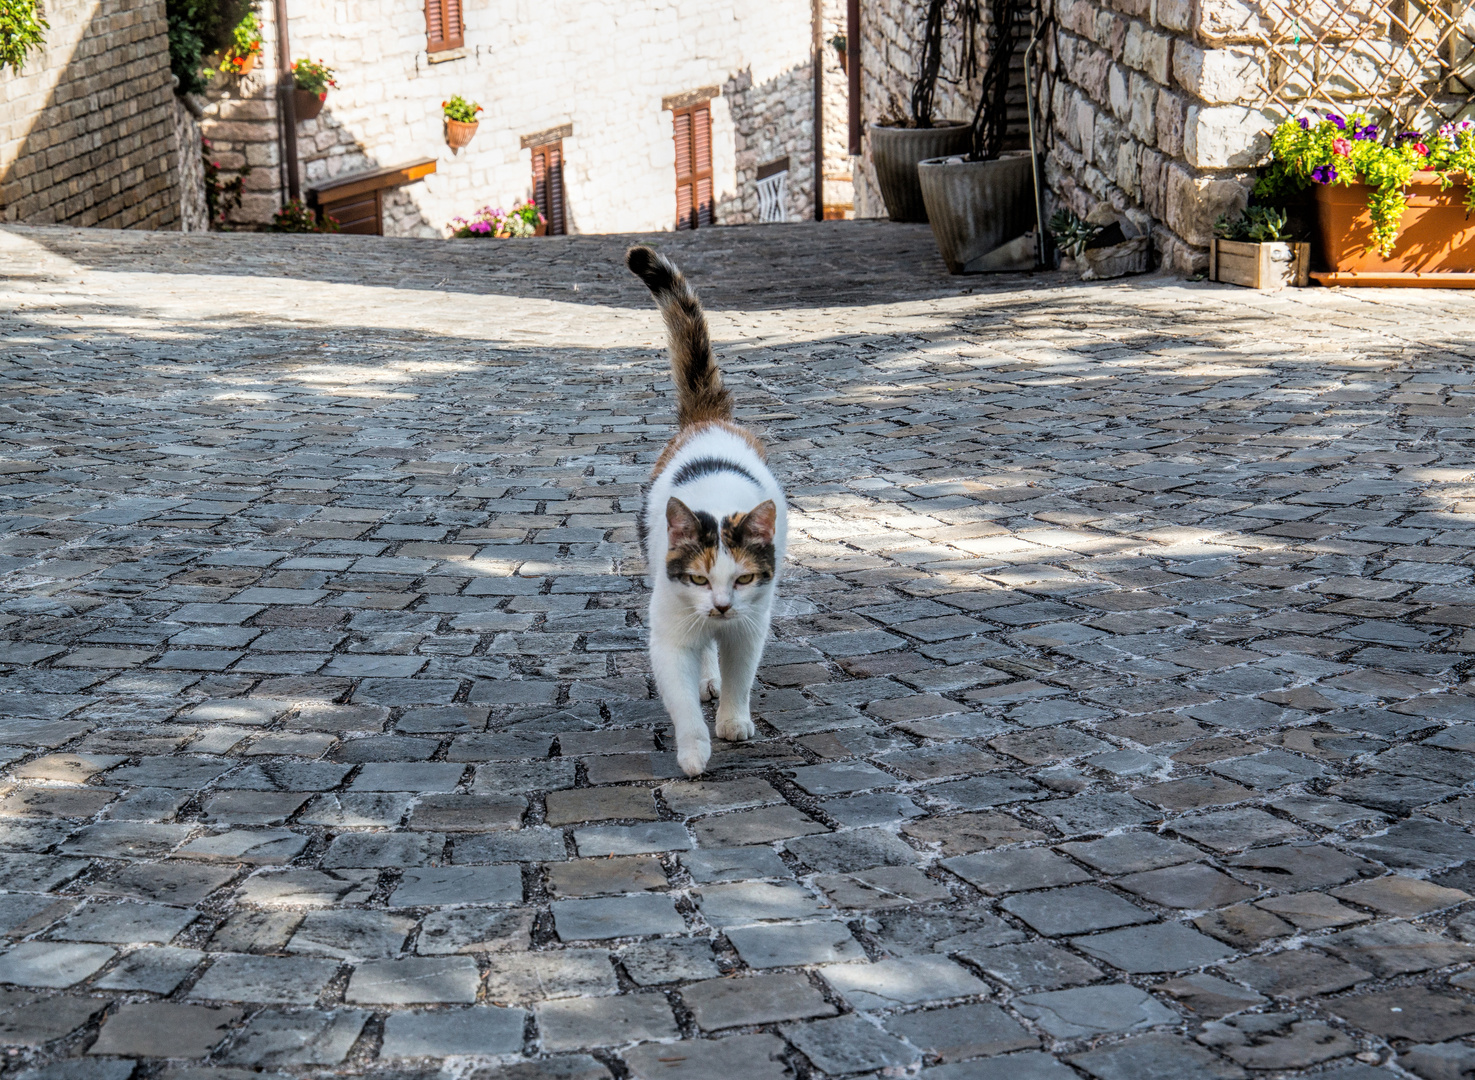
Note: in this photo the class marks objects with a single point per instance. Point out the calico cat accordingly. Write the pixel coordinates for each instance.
(714, 566)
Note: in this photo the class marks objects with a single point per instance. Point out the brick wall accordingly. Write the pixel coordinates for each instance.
(87, 132)
(602, 66)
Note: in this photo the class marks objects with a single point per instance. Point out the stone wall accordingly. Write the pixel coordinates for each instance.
(87, 131)
(601, 66)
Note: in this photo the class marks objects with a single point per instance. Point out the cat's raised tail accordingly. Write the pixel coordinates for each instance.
(700, 394)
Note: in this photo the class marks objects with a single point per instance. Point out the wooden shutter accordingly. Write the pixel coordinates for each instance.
(548, 185)
(692, 130)
(443, 27)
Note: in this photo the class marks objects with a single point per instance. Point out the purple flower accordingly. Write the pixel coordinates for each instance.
(1365, 133)
(1334, 118)
(1305, 124)
(1405, 136)
(1324, 174)
(480, 227)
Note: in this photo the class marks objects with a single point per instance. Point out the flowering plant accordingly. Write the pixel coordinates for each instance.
(460, 110)
(295, 217)
(522, 220)
(222, 196)
(245, 44)
(1337, 150)
(313, 76)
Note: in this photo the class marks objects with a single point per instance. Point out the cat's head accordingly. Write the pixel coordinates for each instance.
(722, 567)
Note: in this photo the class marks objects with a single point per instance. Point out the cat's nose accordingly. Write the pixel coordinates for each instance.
(721, 609)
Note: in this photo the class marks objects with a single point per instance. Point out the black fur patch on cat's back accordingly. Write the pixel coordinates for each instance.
(697, 468)
(695, 556)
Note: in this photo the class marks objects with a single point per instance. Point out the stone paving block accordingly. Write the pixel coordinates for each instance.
(1160, 947)
(444, 885)
(963, 834)
(632, 839)
(1093, 1010)
(1407, 1012)
(795, 945)
(907, 933)
(1130, 853)
(758, 1056)
(54, 964)
(255, 931)
(839, 777)
(126, 840)
(888, 983)
(1235, 830)
(384, 849)
(293, 980)
(22, 915)
(861, 849)
(759, 999)
(691, 798)
(1032, 966)
(883, 887)
(1392, 949)
(848, 1044)
(592, 877)
(982, 792)
(1095, 813)
(350, 934)
(556, 974)
(164, 1029)
(1208, 996)
(414, 981)
(258, 847)
(1075, 910)
(572, 1023)
(484, 1031)
(422, 777)
(468, 813)
(124, 924)
(252, 807)
(1031, 1066)
(1154, 1057)
(745, 902)
(154, 971)
(1000, 872)
(1418, 844)
(963, 1031)
(1191, 885)
(524, 845)
(1400, 896)
(283, 1038)
(762, 826)
(309, 888)
(599, 804)
(1295, 867)
(1295, 974)
(1311, 910)
(733, 864)
(474, 930)
(27, 1019)
(1439, 1061)
(616, 916)
(655, 963)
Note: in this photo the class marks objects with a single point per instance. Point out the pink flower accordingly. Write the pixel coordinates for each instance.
(1422, 149)
(1341, 146)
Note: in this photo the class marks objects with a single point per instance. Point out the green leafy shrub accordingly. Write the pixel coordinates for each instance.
(295, 217)
(1072, 233)
(22, 29)
(245, 43)
(460, 110)
(314, 76)
(1258, 224)
(197, 29)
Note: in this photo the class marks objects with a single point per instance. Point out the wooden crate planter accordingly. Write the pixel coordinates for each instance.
(1267, 266)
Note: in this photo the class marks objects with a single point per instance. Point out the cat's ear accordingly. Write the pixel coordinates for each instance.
(682, 526)
(759, 523)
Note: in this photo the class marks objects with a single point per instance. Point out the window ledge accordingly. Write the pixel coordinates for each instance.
(447, 54)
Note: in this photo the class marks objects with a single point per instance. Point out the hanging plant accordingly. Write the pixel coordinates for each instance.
(461, 121)
(197, 29)
(245, 47)
(22, 29)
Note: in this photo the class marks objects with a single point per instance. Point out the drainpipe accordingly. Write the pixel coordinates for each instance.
(286, 102)
(817, 32)
(852, 63)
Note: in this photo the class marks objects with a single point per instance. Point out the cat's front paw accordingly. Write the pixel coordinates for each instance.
(735, 728)
(693, 758)
(711, 688)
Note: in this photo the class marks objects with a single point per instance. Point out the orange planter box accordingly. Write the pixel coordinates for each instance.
(1436, 235)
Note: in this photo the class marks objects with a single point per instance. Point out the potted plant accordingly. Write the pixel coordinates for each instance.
(986, 199)
(1396, 210)
(460, 121)
(296, 217)
(522, 220)
(245, 47)
(1256, 250)
(899, 143)
(311, 80)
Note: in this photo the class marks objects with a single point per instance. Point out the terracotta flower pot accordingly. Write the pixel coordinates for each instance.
(308, 104)
(1435, 236)
(246, 64)
(895, 153)
(458, 134)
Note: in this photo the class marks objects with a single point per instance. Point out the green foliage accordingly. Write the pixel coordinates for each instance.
(460, 110)
(297, 218)
(1258, 224)
(314, 76)
(245, 43)
(221, 195)
(22, 28)
(1071, 232)
(197, 29)
(1353, 151)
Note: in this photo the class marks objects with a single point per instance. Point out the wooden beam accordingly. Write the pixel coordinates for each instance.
(362, 183)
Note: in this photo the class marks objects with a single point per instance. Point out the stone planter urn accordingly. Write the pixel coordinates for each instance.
(1436, 241)
(895, 152)
(308, 104)
(458, 134)
(976, 206)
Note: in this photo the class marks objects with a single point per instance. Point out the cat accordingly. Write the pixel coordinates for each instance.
(715, 565)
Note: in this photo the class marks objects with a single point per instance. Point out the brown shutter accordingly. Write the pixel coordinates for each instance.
(692, 130)
(548, 185)
(443, 28)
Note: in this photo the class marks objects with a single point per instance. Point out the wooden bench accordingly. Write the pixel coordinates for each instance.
(356, 201)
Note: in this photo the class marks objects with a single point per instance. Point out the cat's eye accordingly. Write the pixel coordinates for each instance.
(696, 579)
(746, 579)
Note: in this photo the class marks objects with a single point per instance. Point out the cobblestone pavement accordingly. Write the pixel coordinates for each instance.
(1114, 724)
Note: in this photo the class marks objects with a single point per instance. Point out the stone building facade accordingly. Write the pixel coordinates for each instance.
(599, 70)
(87, 127)
(1163, 108)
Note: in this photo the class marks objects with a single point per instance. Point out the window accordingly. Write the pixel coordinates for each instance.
(443, 26)
(692, 126)
(548, 184)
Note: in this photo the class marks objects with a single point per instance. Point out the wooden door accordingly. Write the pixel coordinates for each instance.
(548, 185)
(692, 130)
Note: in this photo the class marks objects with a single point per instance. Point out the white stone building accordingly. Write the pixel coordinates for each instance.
(598, 78)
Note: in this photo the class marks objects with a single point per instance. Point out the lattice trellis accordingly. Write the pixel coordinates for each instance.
(1411, 63)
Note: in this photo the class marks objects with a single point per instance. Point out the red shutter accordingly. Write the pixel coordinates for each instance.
(692, 130)
(548, 185)
(443, 27)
